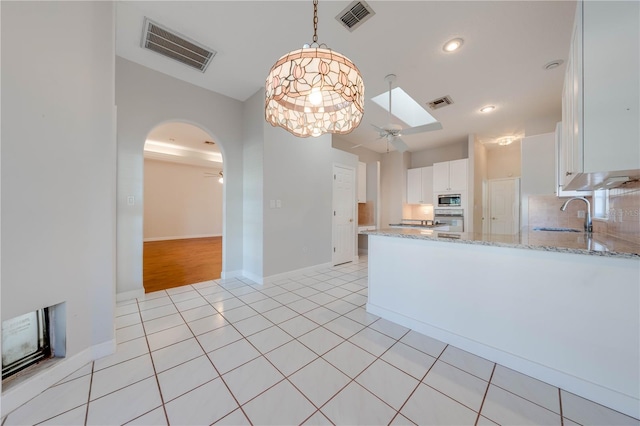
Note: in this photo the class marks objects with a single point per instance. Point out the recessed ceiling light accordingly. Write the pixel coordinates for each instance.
(553, 64)
(505, 141)
(487, 108)
(453, 45)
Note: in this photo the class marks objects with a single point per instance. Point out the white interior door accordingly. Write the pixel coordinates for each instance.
(343, 214)
(504, 206)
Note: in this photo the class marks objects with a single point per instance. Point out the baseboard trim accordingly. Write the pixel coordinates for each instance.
(275, 277)
(626, 404)
(225, 275)
(128, 295)
(59, 368)
(103, 349)
(253, 277)
(182, 237)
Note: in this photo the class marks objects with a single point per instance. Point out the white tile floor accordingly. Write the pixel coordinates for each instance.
(297, 351)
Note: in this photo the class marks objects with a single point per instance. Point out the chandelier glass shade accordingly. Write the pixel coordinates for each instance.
(314, 90)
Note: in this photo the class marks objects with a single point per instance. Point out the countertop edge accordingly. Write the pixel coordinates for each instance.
(602, 253)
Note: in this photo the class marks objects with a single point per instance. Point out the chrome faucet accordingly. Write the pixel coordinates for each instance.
(588, 227)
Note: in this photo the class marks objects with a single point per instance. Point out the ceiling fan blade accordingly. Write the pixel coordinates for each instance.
(380, 129)
(425, 128)
(398, 144)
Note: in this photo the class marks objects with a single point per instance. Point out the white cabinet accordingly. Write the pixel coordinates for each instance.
(601, 95)
(561, 167)
(540, 167)
(450, 176)
(420, 185)
(362, 182)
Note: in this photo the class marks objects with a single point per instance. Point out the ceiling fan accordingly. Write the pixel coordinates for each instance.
(392, 132)
(219, 175)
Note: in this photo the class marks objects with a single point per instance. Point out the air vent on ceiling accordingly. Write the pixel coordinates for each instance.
(355, 14)
(169, 43)
(440, 102)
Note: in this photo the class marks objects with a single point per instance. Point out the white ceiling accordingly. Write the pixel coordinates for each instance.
(182, 143)
(507, 43)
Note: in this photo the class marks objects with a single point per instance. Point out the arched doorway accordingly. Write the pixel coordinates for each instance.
(183, 207)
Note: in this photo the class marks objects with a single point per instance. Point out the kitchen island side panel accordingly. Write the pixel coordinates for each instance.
(570, 320)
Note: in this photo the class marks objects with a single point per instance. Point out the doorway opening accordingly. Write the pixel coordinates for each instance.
(504, 206)
(344, 202)
(183, 207)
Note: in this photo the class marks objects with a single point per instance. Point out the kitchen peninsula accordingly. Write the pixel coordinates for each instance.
(558, 306)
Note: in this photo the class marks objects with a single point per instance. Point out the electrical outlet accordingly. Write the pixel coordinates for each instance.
(581, 214)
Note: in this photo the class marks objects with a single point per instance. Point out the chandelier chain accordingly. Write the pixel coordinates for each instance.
(315, 21)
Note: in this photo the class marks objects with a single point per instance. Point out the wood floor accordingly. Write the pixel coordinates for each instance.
(173, 263)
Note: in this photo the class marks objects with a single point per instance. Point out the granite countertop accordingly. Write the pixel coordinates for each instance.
(565, 242)
(417, 225)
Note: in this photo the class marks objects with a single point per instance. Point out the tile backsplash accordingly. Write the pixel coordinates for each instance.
(366, 213)
(417, 211)
(624, 213)
(544, 210)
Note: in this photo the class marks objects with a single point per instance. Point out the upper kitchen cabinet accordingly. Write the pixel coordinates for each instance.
(362, 182)
(420, 185)
(601, 96)
(450, 176)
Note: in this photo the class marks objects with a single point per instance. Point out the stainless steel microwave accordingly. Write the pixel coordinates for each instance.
(449, 200)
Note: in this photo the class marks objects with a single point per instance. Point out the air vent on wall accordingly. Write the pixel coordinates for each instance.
(440, 102)
(355, 14)
(169, 43)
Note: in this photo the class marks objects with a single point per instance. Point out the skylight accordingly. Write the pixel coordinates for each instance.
(404, 107)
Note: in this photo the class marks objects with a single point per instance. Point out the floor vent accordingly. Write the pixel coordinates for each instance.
(355, 15)
(169, 43)
(440, 102)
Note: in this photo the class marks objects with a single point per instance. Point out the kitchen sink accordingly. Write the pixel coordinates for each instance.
(556, 229)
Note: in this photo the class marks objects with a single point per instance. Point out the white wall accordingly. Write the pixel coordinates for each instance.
(538, 164)
(546, 123)
(427, 157)
(181, 201)
(253, 210)
(299, 173)
(364, 154)
(479, 177)
(59, 167)
(503, 161)
(393, 186)
(146, 98)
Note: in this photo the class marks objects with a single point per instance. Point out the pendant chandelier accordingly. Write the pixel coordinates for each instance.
(314, 90)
